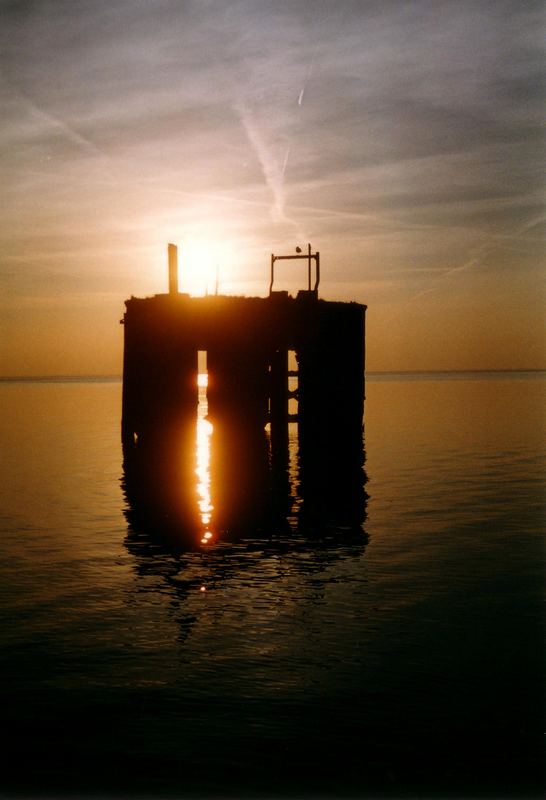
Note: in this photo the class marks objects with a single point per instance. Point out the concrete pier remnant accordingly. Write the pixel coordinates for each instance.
(247, 341)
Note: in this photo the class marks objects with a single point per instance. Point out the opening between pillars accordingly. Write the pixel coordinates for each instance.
(293, 387)
(204, 430)
(202, 383)
(202, 373)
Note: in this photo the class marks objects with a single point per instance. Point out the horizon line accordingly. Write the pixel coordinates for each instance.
(119, 376)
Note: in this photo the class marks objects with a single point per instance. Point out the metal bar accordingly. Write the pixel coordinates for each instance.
(271, 281)
(285, 258)
(309, 256)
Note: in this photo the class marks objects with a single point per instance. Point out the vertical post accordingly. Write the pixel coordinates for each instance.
(173, 269)
(159, 411)
(272, 268)
(309, 267)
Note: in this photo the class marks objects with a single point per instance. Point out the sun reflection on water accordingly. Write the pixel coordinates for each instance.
(204, 431)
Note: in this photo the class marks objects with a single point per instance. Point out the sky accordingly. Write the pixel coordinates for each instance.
(403, 140)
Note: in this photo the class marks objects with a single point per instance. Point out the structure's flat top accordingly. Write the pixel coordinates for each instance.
(283, 298)
(220, 318)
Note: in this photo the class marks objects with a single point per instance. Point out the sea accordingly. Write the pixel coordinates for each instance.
(405, 661)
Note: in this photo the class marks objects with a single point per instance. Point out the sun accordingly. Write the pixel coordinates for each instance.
(202, 263)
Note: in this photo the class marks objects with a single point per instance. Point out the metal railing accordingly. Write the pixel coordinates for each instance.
(299, 255)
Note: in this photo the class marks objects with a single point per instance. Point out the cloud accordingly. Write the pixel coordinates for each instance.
(408, 130)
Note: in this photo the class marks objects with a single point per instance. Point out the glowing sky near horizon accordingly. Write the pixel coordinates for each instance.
(402, 139)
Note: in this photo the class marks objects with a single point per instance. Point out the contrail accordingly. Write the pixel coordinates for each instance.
(53, 122)
(273, 172)
(532, 223)
(473, 261)
(481, 252)
(62, 126)
(310, 70)
(285, 162)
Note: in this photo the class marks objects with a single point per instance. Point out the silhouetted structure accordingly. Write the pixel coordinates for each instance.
(247, 341)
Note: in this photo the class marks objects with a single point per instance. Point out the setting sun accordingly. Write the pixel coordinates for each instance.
(203, 264)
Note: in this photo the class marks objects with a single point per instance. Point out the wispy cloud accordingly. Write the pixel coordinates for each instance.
(409, 131)
(273, 170)
(478, 255)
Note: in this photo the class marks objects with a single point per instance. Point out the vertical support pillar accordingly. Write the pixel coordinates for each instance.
(331, 406)
(129, 389)
(159, 414)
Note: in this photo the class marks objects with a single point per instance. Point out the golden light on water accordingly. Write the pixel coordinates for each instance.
(204, 431)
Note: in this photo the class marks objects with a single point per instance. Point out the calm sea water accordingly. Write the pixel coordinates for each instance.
(404, 662)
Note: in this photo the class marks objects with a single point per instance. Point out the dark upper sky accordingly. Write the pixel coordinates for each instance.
(402, 139)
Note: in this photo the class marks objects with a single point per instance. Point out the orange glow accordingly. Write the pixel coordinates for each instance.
(205, 262)
(204, 431)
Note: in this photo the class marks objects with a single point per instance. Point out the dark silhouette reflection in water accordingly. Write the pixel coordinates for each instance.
(246, 502)
(239, 488)
(247, 510)
(307, 497)
(300, 515)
